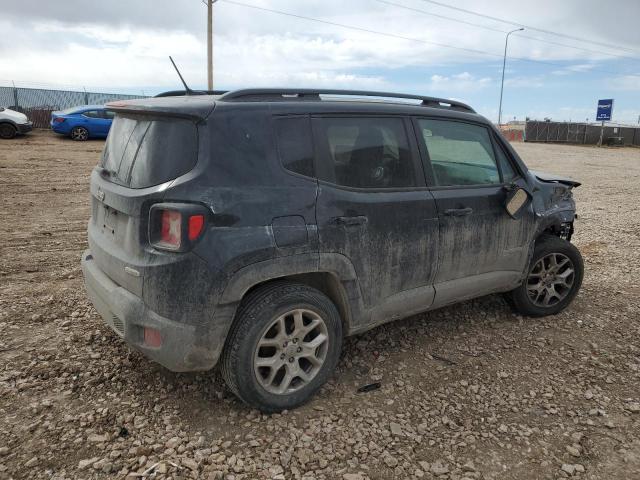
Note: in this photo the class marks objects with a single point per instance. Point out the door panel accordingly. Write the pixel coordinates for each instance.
(485, 239)
(373, 207)
(478, 239)
(390, 237)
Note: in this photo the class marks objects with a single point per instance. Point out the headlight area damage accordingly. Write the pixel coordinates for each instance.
(553, 203)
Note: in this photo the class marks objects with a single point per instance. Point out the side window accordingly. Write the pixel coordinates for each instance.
(92, 114)
(460, 153)
(364, 152)
(508, 172)
(295, 145)
(108, 114)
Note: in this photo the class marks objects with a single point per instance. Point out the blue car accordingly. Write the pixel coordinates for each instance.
(82, 123)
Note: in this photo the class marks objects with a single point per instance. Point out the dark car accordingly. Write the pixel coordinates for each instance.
(260, 228)
(83, 122)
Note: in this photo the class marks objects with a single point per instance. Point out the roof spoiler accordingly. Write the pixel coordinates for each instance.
(196, 108)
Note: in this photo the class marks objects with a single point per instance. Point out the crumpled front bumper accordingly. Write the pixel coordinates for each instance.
(25, 127)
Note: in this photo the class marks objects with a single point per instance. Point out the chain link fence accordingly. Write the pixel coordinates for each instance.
(580, 133)
(38, 103)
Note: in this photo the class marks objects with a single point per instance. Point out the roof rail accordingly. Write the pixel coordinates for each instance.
(308, 94)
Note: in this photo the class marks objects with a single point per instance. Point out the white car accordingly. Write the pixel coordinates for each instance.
(13, 123)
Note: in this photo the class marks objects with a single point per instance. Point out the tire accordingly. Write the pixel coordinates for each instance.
(79, 134)
(7, 131)
(533, 297)
(257, 329)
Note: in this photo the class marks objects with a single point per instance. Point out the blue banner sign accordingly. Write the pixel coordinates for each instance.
(605, 109)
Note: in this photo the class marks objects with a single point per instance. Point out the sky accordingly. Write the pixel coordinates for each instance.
(412, 46)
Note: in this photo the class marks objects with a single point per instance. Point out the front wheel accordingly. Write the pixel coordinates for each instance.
(7, 131)
(283, 346)
(79, 134)
(554, 278)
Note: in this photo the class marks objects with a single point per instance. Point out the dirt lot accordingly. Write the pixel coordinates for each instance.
(468, 392)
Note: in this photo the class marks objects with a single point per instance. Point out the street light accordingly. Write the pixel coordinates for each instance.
(504, 62)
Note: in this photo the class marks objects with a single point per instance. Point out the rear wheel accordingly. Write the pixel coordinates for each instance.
(7, 130)
(283, 346)
(79, 134)
(554, 278)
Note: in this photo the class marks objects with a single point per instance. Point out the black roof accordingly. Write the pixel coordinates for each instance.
(299, 101)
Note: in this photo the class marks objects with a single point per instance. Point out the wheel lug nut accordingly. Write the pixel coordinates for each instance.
(282, 356)
(295, 340)
(290, 359)
(299, 349)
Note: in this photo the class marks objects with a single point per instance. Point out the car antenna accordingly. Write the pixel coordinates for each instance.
(186, 87)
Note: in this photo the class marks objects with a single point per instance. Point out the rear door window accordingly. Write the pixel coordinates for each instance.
(143, 151)
(365, 152)
(295, 146)
(460, 153)
(92, 114)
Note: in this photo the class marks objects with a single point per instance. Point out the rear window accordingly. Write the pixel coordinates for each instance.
(143, 151)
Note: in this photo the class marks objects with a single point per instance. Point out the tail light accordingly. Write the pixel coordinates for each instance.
(58, 120)
(176, 226)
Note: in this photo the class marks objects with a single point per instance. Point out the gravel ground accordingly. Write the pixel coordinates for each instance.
(468, 392)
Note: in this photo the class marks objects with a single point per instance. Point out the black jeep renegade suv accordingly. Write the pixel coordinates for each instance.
(261, 227)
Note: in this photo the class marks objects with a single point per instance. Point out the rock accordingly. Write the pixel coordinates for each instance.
(190, 463)
(579, 468)
(4, 451)
(439, 468)
(396, 429)
(173, 442)
(426, 466)
(573, 450)
(390, 461)
(352, 476)
(87, 463)
(98, 438)
(633, 407)
(567, 468)
(32, 462)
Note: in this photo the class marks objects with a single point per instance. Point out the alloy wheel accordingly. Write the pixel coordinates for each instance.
(79, 133)
(291, 351)
(550, 280)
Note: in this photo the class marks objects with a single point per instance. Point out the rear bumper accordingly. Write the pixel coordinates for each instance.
(127, 315)
(25, 127)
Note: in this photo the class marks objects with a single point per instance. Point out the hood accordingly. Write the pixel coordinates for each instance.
(16, 117)
(552, 178)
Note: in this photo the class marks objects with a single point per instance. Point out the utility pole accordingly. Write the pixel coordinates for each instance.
(504, 63)
(210, 43)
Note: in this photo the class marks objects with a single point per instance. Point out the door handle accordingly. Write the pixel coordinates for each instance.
(458, 212)
(351, 221)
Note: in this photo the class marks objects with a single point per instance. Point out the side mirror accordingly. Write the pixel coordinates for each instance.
(516, 201)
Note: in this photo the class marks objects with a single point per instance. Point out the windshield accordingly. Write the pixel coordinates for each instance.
(68, 111)
(143, 151)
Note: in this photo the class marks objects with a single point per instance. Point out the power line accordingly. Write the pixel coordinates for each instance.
(411, 39)
(529, 27)
(485, 27)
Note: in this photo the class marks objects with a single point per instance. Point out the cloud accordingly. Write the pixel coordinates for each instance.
(462, 82)
(626, 83)
(578, 68)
